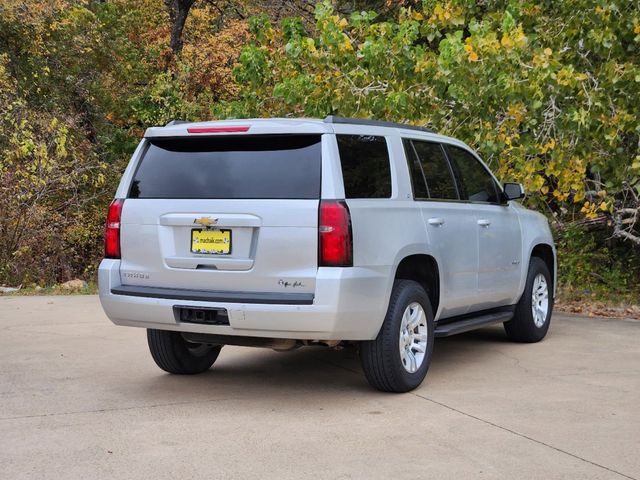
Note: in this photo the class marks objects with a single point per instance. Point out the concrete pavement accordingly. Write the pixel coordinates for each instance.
(81, 398)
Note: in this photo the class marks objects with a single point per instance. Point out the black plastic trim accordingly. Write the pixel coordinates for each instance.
(464, 323)
(201, 315)
(214, 296)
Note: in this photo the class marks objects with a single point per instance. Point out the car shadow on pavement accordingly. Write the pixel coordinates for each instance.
(246, 372)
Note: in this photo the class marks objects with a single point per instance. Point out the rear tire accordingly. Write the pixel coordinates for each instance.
(532, 317)
(173, 354)
(398, 359)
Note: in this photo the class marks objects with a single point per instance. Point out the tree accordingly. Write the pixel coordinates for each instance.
(276, 10)
(178, 13)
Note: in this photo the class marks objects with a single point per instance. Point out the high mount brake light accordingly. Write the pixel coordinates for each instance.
(335, 245)
(112, 229)
(237, 129)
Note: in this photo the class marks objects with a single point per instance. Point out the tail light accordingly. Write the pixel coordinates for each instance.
(112, 229)
(335, 245)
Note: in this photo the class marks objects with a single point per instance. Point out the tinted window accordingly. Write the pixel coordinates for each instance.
(258, 166)
(474, 181)
(440, 183)
(365, 166)
(418, 182)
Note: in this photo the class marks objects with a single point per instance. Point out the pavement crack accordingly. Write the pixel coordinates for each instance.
(495, 425)
(522, 435)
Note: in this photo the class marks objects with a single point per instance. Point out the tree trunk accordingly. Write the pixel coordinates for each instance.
(178, 13)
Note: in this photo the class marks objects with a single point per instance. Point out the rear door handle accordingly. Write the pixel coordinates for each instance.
(436, 222)
(484, 223)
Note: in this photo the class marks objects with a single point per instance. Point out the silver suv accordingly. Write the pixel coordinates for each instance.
(281, 233)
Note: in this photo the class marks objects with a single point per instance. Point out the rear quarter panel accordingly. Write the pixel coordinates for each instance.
(385, 230)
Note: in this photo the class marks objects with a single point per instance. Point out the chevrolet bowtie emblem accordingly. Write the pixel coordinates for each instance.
(206, 221)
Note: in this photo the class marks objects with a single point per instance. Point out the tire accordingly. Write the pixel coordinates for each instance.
(173, 354)
(524, 327)
(383, 359)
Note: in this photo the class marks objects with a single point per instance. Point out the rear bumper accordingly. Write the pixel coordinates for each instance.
(348, 304)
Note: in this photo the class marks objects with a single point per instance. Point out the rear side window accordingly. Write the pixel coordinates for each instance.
(365, 166)
(474, 181)
(436, 170)
(243, 166)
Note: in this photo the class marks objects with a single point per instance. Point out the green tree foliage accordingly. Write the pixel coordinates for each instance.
(50, 181)
(79, 83)
(546, 91)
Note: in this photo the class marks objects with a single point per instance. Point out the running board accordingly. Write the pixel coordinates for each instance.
(466, 324)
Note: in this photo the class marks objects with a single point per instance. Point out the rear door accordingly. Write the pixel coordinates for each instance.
(450, 230)
(225, 213)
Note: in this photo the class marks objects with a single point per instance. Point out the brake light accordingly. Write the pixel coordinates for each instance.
(236, 129)
(335, 246)
(112, 229)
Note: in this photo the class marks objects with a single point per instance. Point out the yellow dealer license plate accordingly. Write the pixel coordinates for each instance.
(211, 241)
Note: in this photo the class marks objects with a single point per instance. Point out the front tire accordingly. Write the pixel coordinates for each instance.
(173, 354)
(398, 359)
(532, 317)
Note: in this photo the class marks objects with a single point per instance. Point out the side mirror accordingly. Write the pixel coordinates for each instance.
(513, 191)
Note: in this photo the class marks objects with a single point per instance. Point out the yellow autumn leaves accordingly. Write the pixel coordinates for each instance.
(468, 47)
(490, 45)
(446, 14)
(591, 209)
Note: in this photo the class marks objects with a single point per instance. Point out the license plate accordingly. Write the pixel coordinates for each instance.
(211, 241)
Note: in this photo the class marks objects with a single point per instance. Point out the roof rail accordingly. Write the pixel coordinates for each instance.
(373, 123)
(176, 122)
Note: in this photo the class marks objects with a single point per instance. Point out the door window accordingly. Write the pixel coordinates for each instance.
(418, 182)
(475, 183)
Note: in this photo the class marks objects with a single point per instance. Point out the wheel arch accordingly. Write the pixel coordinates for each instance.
(546, 253)
(422, 268)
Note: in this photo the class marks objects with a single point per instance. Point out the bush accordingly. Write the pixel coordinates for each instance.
(593, 265)
(51, 184)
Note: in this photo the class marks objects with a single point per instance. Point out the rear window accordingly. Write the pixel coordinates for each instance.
(258, 166)
(365, 166)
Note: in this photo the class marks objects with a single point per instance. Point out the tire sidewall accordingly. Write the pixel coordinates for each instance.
(170, 352)
(410, 292)
(537, 267)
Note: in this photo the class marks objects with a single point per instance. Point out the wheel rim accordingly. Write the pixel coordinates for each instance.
(540, 300)
(414, 335)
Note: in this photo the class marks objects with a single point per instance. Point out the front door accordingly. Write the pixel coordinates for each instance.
(498, 230)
